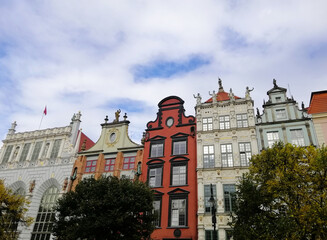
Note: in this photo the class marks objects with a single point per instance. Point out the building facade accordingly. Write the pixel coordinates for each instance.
(37, 165)
(169, 167)
(226, 140)
(318, 111)
(282, 120)
(114, 154)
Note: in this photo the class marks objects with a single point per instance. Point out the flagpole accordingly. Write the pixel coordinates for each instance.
(43, 114)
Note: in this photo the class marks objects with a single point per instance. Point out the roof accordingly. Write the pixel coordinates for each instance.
(221, 96)
(88, 142)
(318, 102)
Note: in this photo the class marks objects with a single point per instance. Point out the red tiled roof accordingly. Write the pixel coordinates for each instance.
(88, 143)
(221, 96)
(318, 102)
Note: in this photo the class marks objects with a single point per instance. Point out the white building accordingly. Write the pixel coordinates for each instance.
(226, 139)
(38, 164)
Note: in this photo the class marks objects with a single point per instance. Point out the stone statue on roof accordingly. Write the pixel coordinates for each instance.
(198, 99)
(117, 115)
(247, 92)
(214, 96)
(221, 89)
(275, 83)
(231, 95)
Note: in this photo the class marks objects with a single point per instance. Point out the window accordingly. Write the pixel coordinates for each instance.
(226, 155)
(129, 163)
(278, 99)
(43, 222)
(7, 154)
(45, 150)
(20, 191)
(208, 157)
(178, 212)
(179, 175)
(179, 147)
(224, 122)
(157, 149)
(229, 197)
(157, 211)
(36, 151)
(297, 137)
(207, 195)
(155, 176)
(272, 137)
(242, 120)
(109, 165)
(245, 153)
(90, 165)
(280, 113)
(55, 149)
(207, 124)
(26, 148)
(210, 235)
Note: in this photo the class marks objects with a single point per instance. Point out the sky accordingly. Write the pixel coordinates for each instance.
(100, 56)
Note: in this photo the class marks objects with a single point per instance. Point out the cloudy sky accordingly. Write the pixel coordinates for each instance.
(100, 56)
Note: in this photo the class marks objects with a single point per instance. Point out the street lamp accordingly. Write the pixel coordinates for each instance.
(213, 212)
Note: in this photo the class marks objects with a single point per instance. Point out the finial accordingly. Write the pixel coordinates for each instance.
(12, 130)
(221, 89)
(302, 105)
(275, 84)
(106, 119)
(125, 116)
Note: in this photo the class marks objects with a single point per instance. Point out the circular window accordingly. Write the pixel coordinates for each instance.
(169, 122)
(112, 137)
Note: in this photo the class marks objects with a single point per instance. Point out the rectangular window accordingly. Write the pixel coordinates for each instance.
(245, 153)
(207, 124)
(297, 137)
(280, 113)
(25, 151)
(155, 177)
(90, 165)
(55, 149)
(178, 212)
(207, 195)
(208, 156)
(36, 151)
(109, 165)
(179, 147)
(224, 122)
(157, 211)
(179, 175)
(272, 137)
(157, 150)
(226, 155)
(129, 163)
(7, 154)
(229, 197)
(211, 235)
(278, 99)
(242, 120)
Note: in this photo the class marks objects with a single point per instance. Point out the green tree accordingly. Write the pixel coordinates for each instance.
(284, 195)
(106, 208)
(13, 210)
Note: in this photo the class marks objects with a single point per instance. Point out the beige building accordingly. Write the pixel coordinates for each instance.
(318, 110)
(226, 139)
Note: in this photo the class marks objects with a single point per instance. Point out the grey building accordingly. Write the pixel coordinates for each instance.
(37, 165)
(282, 120)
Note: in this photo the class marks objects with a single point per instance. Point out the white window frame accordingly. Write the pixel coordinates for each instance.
(208, 156)
(224, 122)
(242, 120)
(207, 124)
(226, 151)
(245, 153)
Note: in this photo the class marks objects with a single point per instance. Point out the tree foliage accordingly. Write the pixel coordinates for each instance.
(13, 210)
(106, 208)
(284, 195)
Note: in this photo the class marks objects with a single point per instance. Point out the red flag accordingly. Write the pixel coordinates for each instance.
(45, 110)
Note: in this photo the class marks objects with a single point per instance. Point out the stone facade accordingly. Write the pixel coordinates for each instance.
(33, 162)
(226, 139)
(282, 120)
(114, 154)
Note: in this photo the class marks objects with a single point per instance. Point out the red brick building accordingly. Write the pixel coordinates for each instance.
(169, 166)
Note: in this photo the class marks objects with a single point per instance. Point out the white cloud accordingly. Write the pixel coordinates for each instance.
(77, 55)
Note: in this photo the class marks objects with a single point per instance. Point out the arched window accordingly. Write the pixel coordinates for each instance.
(20, 191)
(43, 222)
